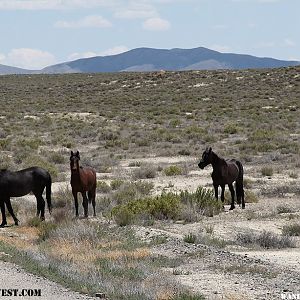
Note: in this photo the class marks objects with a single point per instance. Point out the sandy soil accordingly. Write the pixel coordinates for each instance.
(233, 272)
(14, 277)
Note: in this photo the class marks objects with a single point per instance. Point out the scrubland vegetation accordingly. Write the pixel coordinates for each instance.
(119, 122)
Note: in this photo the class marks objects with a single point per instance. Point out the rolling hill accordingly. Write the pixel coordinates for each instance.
(149, 59)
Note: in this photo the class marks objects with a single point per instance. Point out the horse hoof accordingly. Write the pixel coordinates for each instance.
(243, 207)
(2, 225)
(232, 208)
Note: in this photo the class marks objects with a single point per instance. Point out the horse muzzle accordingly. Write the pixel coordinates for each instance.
(202, 165)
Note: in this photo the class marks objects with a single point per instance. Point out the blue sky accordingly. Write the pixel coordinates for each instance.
(37, 33)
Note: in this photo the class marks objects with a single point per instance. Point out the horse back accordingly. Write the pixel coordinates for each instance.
(20, 183)
(227, 172)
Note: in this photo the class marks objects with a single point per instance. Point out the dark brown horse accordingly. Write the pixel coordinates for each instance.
(21, 183)
(83, 180)
(225, 172)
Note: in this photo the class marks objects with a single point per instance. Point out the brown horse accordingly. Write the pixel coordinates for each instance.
(83, 180)
(225, 172)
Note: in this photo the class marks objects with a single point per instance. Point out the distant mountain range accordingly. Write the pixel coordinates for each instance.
(149, 59)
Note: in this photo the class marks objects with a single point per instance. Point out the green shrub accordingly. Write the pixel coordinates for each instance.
(284, 209)
(34, 222)
(265, 240)
(165, 206)
(63, 198)
(173, 171)
(6, 162)
(291, 230)
(129, 191)
(250, 197)
(4, 144)
(190, 238)
(103, 187)
(184, 152)
(203, 201)
(57, 158)
(267, 171)
(135, 164)
(116, 183)
(187, 296)
(123, 216)
(231, 128)
(30, 143)
(144, 172)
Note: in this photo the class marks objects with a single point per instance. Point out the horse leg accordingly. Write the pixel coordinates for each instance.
(240, 194)
(10, 210)
(216, 186)
(76, 202)
(232, 196)
(2, 205)
(85, 204)
(40, 203)
(41, 200)
(243, 198)
(223, 193)
(38, 207)
(92, 198)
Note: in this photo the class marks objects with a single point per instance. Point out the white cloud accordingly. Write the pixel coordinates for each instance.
(294, 58)
(265, 45)
(29, 58)
(156, 24)
(135, 10)
(111, 51)
(53, 4)
(86, 22)
(135, 14)
(114, 50)
(2, 57)
(77, 55)
(289, 43)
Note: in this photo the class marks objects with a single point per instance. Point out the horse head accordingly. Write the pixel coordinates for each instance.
(206, 158)
(74, 161)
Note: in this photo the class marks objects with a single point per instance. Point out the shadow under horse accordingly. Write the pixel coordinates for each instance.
(21, 183)
(83, 180)
(225, 172)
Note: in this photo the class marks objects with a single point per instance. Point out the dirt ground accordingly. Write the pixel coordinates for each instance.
(233, 271)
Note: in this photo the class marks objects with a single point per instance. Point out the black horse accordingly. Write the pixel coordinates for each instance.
(21, 183)
(225, 172)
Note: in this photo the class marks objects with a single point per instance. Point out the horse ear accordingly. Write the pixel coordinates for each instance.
(72, 153)
(77, 154)
(209, 149)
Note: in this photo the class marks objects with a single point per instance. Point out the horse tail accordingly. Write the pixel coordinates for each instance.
(48, 193)
(239, 185)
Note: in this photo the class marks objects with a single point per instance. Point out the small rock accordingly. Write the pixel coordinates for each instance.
(100, 295)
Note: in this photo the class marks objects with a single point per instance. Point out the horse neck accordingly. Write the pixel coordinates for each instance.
(75, 173)
(216, 161)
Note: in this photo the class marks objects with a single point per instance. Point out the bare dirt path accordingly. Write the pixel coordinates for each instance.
(14, 277)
